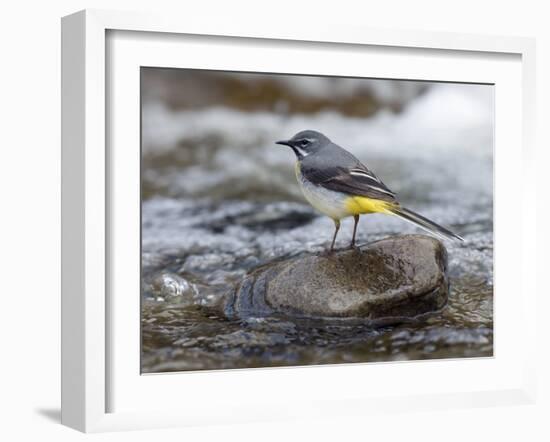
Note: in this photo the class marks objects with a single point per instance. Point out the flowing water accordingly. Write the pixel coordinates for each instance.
(220, 199)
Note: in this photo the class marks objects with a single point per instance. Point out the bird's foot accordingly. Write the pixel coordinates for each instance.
(327, 253)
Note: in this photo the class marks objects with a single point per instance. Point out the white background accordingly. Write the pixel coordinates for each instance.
(29, 229)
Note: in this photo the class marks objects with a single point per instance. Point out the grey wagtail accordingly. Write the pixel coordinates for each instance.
(339, 185)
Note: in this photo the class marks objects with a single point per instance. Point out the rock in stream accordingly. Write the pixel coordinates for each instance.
(390, 280)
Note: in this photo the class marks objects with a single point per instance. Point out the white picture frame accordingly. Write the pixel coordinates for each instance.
(87, 206)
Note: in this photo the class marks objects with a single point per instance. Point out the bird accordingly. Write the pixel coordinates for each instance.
(338, 185)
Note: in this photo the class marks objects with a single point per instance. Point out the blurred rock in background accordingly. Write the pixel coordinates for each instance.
(195, 89)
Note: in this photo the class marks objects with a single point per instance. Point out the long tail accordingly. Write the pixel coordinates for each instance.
(424, 223)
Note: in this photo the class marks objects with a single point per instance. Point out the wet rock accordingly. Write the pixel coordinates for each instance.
(395, 278)
(169, 286)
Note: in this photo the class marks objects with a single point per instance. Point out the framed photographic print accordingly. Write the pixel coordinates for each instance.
(276, 222)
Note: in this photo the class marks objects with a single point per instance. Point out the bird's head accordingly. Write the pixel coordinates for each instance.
(305, 143)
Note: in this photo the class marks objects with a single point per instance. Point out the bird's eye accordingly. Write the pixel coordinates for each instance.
(304, 143)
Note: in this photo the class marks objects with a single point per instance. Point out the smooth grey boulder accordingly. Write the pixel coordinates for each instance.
(395, 278)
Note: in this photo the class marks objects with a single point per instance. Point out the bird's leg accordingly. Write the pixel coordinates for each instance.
(336, 228)
(356, 219)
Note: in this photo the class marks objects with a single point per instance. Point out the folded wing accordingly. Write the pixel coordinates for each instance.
(357, 180)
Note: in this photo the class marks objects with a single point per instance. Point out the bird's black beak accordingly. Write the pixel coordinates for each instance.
(284, 143)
